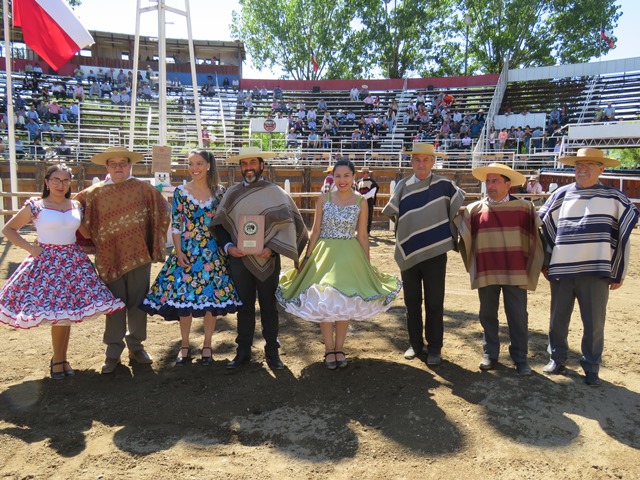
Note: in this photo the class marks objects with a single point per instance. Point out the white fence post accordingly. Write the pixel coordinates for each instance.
(392, 187)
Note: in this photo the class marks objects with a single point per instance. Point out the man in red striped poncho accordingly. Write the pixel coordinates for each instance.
(502, 249)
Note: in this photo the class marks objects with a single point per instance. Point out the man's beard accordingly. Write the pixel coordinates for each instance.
(255, 177)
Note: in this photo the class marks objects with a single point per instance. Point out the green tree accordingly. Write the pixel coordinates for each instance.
(403, 34)
(536, 32)
(286, 32)
(629, 157)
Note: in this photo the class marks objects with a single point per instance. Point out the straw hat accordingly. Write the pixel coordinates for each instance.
(116, 152)
(425, 149)
(251, 152)
(328, 170)
(590, 154)
(364, 170)
(516, 178)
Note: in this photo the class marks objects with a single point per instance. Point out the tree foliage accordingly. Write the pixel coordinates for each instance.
(286, 33)
(398, 38)
(537, 32)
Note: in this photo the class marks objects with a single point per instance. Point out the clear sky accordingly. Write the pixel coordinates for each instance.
(211, 19)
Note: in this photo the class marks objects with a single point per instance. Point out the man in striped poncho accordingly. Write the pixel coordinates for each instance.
(587, 226)
(502, 250)
(423, 207)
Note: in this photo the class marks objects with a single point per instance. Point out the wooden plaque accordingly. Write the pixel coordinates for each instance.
(251, 234)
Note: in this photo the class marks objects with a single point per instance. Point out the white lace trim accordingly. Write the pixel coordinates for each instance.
(329, 305)
(193, 199)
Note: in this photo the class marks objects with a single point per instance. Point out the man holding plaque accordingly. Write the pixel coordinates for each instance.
(257, 221)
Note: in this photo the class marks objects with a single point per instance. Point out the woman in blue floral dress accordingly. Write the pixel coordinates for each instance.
(194, 281)
(56, 284)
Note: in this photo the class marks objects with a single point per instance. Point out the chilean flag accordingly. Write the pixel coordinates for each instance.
(607, 37)
(314, 61)
(50, 29)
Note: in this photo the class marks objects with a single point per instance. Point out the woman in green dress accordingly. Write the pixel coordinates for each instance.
(335, 281)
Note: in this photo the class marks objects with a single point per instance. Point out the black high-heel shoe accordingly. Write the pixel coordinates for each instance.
(206, 361)
(68, 372)
(330, 365)
(341, 363)
(56, 375)
(183, 360)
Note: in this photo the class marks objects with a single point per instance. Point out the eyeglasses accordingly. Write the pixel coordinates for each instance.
(118, 164)
(587, 165)
(56, 182)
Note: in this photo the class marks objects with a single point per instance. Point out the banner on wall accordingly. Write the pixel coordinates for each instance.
(269, 125)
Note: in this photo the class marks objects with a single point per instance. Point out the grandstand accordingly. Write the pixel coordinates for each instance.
(579, 91)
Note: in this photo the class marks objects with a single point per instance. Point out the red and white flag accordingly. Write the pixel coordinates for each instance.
(314, 61)
(50, 29)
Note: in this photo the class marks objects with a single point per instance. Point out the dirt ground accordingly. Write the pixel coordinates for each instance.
(383, 417)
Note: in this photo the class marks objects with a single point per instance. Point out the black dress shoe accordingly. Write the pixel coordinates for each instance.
(240, 359)
(274, 362)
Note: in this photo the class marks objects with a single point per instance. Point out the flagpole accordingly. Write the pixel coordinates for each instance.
(13, 167)
(134, 80)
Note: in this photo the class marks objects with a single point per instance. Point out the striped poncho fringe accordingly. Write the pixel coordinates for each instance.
(501, 244)
(285, 231)
(424, 212)
(587, 231)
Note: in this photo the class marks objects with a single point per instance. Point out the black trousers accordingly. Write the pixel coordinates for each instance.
(427, 276)
(371, 204)
(247, 286)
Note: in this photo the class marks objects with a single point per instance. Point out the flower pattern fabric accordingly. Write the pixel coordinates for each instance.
(205, 285)
(60, 286)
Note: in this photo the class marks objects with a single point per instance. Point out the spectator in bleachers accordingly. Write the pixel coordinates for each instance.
(248, 105)
(145, 93)
(20, 118)
(368, 102)
(277, 93)
(364, 92)
(63, 151)
(206, 137)
(475, 128)
(609, 113)
(148, 74)
(445, 129)
(313, 141)
(292, 139)
(527, 138)
(312, 125)
(536, 138)
(42, 108)
(94, 89)
(235, 84)
(552, 136)
(32, 114)
(105, 89)
(311, 114)
(37, 150)
(74, 112)
(564, 116)
(351, 118)
(356, 139)
(226, 83)
(53, 112)
(264, 93)
(336, 127)
(493, 138)
(91, 77)
(554, 116)
(58, 91)
(597, 117)
(302, 114)
(64, 113)
(37, 70)
(19, 148)
(78, 74)
(33, 129)
(354, 94)
(115, 98)
(503, 136)
(298, 126)
(108, 76)
(326, 140)
(100, 76)
(45, 130)
(78, 92)
(322, 105)
(121, 78)
(125, 98)
(57, 131)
